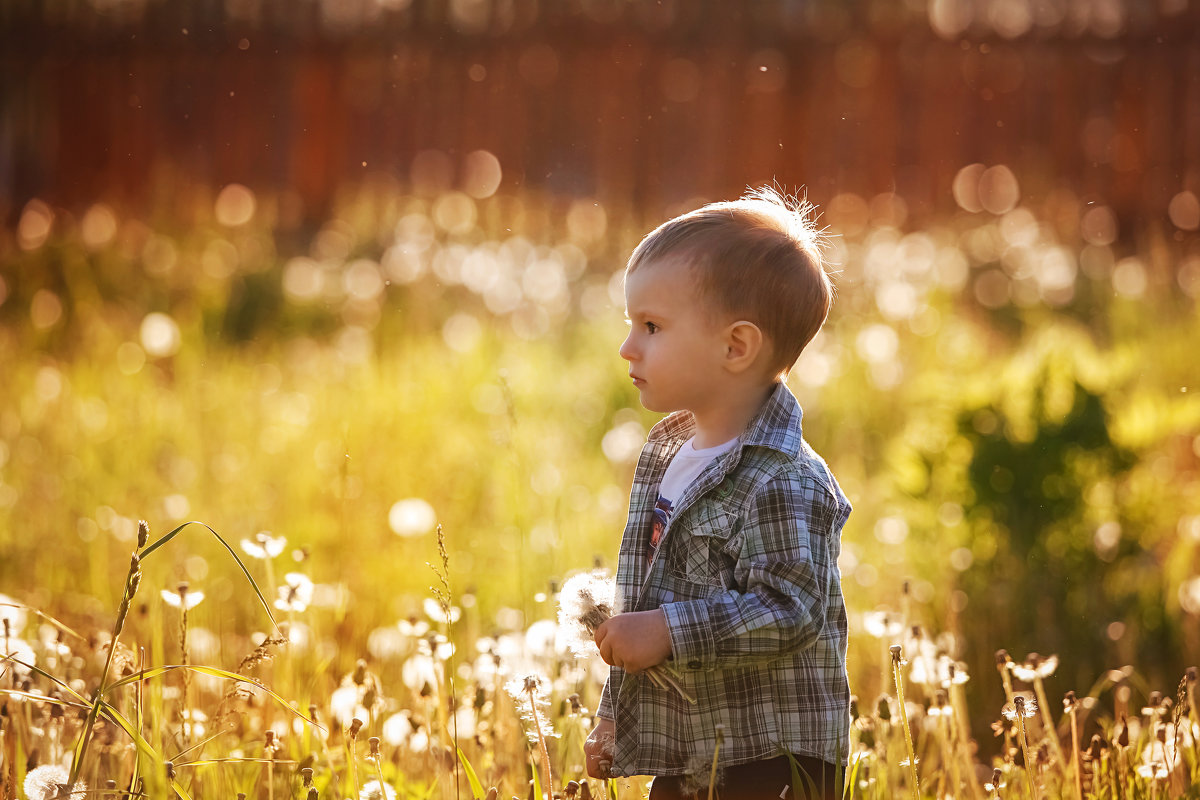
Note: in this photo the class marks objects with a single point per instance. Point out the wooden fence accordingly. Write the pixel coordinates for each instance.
(644, 107)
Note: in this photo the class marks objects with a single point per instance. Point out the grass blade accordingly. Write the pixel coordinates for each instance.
(216, 672)
(83, 701)
(45, 616)
(253, 585)
(118, 719)
(472, 779)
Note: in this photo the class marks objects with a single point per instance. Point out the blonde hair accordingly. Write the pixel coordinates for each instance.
(756, 258)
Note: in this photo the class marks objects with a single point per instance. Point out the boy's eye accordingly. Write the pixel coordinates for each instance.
(651, 327)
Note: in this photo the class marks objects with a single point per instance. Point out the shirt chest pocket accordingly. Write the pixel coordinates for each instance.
(704, 547)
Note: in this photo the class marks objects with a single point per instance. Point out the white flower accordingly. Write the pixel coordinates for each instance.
(397, 729)
(188, 599)
(433, 610)
(1034, 667)
(297, 594)
(14, 613)
(21, 652)
(264, 545)
(541, 639)
(345, 704)
(416, 628)
(882, 624)
(1154, 770)
(420, 673)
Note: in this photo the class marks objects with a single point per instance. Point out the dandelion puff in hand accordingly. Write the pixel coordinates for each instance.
(586, 600)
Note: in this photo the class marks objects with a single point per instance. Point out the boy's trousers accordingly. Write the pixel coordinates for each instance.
(763, 780)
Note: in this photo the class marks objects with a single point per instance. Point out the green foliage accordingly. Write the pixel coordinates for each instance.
(1029, 469)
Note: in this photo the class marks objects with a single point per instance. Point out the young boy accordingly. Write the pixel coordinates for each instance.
(728, 564)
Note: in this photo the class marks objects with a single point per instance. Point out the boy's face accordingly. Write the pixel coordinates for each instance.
(675, 348)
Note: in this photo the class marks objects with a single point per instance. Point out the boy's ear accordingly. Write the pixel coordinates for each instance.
(743, 344)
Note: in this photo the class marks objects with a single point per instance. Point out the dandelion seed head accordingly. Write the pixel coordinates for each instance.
(264, 545)
(420, 672)
(1034, 667)
(531, 695)
(882, 624)
(1022, 706)
(398, 729)
(49, 781)
(1155, 771)
(586, 600)
(415, 628)
(374, 790)
(296, 594)
(184, 598)
(20, 651)
(433, 609)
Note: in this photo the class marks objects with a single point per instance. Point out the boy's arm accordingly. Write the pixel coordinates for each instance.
(786, 552)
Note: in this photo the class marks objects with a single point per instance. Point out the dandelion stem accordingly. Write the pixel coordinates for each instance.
(959, 705)
(1051, 728)
(1033, 788)
(908, 742)
(1076, 767)
(355, 726)
(543, 752)
(712, 775)
(377, 758)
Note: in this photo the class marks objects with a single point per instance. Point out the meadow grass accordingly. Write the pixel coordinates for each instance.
(1026, 465)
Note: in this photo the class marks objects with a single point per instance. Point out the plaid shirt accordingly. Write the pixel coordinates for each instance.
(747, 576)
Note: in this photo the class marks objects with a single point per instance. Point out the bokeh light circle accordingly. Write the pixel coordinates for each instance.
(235, 205)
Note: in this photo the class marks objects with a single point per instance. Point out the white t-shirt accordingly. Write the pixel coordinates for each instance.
(683, 470)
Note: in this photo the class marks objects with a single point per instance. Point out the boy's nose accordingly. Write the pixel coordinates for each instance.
(626, 349)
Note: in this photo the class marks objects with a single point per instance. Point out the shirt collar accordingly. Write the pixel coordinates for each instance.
(777, 424)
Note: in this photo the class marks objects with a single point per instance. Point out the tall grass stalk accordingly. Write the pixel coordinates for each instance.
(445, 600)
(188, 716)
(1071, 706)
(897, 661)
(132, 581)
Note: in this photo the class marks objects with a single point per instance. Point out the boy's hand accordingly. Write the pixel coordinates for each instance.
(598, 748)
(634, 641)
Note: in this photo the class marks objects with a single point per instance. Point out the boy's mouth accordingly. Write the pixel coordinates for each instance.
(636, 380)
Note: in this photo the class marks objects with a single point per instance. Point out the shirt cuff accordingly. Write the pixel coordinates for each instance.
(690, 627)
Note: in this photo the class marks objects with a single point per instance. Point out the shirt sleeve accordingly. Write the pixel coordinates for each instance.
(606, 708)
(785, 552)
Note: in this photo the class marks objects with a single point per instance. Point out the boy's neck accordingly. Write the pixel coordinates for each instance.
(728, 419)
